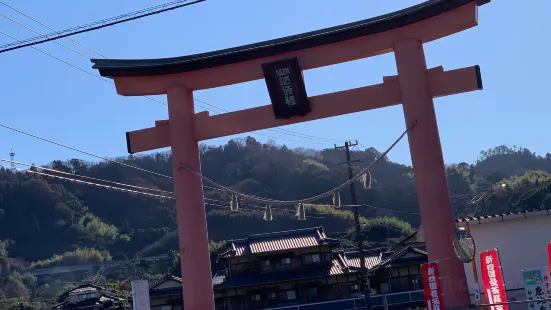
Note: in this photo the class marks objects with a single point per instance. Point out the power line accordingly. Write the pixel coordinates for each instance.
(98, 24)
(52, 29)
(226, 189)
(86, 177)
(279, 130)
(304, 200)
(74, 175)
(152, 99)
(95, 184)
(289, 132)
(84, 152)
(29, 28)
(113, 188)
(96, 156)
(382, 209)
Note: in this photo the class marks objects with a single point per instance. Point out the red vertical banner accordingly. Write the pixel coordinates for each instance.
(492, 279)
(432, 287)
(547, 271)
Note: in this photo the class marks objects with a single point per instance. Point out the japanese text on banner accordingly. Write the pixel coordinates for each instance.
(432, 287)
(534, 286)
(547, 282)
(492, 280)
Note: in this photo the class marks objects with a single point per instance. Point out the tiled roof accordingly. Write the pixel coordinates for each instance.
(277, 241)
(338, 266)
(508, 215)
(86, 288)
(415, 237)
(372, 258)
(163, 279)
(393, 258)
(412, 238)
(89, 302)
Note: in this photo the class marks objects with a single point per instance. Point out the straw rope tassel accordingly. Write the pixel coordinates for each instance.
(337, 199)
(234, 205)
(366, 180)
(301, 215)
(268, 213)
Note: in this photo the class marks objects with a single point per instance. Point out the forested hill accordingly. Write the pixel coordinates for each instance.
(50, 221)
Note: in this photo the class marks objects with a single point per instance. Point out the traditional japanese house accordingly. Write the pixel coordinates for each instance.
(283, 268)
(166, 293)
(90, 297)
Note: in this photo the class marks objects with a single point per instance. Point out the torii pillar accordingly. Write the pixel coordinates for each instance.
(403, 32)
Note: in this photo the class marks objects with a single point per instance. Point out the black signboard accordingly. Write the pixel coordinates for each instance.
(286, 88)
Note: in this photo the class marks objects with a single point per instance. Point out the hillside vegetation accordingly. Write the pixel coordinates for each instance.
(46, 222)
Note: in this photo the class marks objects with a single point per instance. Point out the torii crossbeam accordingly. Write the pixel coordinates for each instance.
(402, 32)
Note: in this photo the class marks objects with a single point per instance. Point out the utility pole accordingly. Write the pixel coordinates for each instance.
(12, 158)
(364, 281)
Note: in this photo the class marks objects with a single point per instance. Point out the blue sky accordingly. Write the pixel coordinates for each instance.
(46, 97)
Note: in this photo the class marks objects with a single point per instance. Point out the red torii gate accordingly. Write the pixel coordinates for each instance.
(402, 32)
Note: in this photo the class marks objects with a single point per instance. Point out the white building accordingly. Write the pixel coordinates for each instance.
(521, 239)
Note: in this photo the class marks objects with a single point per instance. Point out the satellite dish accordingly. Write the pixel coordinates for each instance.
(463, 245)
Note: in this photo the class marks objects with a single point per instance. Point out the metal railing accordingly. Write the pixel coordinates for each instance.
(377, 302)
(512, 305)
(516, 305)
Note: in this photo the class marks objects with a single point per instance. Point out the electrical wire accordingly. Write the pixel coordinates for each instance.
(305, 200)
(379, 208)
(96, 156)
(121, 184)
(94, 184)
(52, 29)
(152, 99)
(98, 24)
(86, 177)
(84, 152)
(119, 189)
(278, 130)
(127, 185)
(243, 196)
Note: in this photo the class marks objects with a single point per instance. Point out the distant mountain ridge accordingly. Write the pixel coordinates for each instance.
(50, 221)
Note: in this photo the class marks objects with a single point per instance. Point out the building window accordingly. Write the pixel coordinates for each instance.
(81, 296)
(354, 288)
(272, 295)
(327, 257)
(312, 292)
(414, 270)
(416, 283)
(163, 307)
(239, 268)
(285, 263)
(385, 288)
(404, 271)
(288, 295)
(311, 259)
(265, 266)
(255, 297)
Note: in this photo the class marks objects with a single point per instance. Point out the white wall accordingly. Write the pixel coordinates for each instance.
(521, 241)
